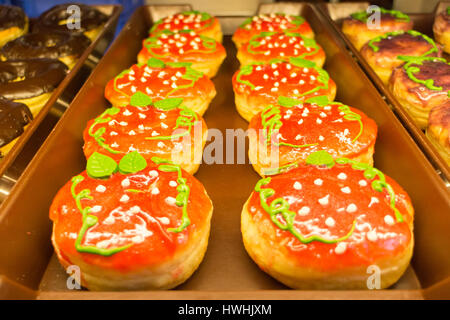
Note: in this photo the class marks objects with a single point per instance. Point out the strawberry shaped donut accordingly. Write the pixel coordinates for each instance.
(161, 80)
(285, 134)
(201, 22)
(326, 224)
(259, 84)
(266, 46)
(273, 22)
(205, 54)
(164, 128)
(134, 226)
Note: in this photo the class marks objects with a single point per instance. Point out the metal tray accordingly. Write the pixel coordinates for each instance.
(423, 22)
(30, 270)
(13, 164)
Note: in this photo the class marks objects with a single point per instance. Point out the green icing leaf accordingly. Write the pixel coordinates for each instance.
(155, 63)
(100, 166)
(132, 162)
(287, 102)
(302, 63)
(140, 99)
(319, 100)
(320, 158)
(169, 103)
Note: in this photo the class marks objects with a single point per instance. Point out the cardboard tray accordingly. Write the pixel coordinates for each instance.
(29, 269)
(13, 164)
(423, 22)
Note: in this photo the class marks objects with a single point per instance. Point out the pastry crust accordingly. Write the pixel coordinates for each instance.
(281, 136)
(268, 23)
(441, 29)
(417, 97)
(336, 248)
(159, 81)
(152, 250)
(266, 46)
(438, 130)
(356, 27)
(201, 22)
(382, 53)
(205, 54)
(258, 85)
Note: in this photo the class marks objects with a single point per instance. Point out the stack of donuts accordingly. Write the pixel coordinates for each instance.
(321, 214)
(411, 65)
(34, 63)
(136, 218)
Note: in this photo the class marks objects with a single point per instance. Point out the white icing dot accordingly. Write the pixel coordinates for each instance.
(164, 220)
(96, 209)
(155, 190)
(125, 183)
(389, 220)
(362, 183)
(372, 235)
(297, 185)
(341, 247)
(330, 222)
(173, 183)
(304, 211)
(373, 200)
(346, 190)
(100, 188)
(324, 201)
(153, 173)
(171, 200)
(318, 182)
(351, 208)
(124, 198)
(135, 209)
(342, 176)
(161, 144)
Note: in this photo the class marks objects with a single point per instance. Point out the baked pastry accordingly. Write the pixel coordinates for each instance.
(59, 17)
(382, 53)
(205, 54)
(274, 22)
(31, 82)
(164, 128)
(161, 80)
(64, 46)
(133, 226)
(441, 29)
(421, 84)
(13, 119)
(438, 129)
(323, 224)
(266, 46)
(13, 23)
(360, 27)
(284, 135)
(259, 84)
(201, 22)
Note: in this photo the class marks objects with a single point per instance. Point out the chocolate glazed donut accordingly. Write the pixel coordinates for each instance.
(13, 23)
(64, 46)
(55, 19)
(13, 117)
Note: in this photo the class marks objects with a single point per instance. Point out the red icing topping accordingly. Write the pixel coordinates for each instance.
(184, 21)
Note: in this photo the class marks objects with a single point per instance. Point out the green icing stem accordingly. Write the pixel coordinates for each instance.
(362, 15)
(88, 222)
(205, 16)
(98, 135)
(182, 188)
(396, 33)
(280, 206)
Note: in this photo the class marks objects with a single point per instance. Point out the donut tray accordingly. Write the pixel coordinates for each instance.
(335, 12)
(13, 164)
(30, 270)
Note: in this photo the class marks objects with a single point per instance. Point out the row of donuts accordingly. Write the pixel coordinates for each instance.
(411, 65)
(137, 218)
(33, 64)
(321, 214)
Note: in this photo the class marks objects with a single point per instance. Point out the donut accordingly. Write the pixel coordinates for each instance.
(421, 84)
(205, 54)
(59, 18)
(441, 29)
(266, 46)
(438, 129)
(382, 53)
(259, 84)
(285, 134)
(13, 119)
(132, 226)
(161, 80)
(13, 23)
(67, 47)
(31, 82)
(329, 224)
(274, 22)
(201, 22)
(360, 27)
(164, 128)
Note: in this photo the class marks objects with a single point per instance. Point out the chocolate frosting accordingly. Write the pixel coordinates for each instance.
(91, 18)
(39, 76)
(13, 117)
(11, 16)
(51, 44)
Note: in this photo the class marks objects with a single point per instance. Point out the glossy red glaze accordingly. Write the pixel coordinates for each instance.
(142, 220)
(371, 208)
(185, 21)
